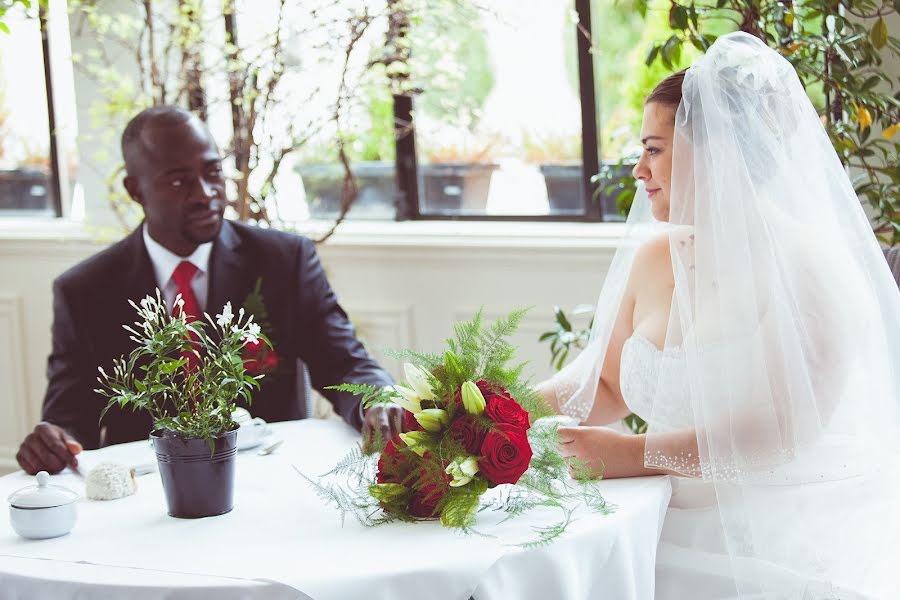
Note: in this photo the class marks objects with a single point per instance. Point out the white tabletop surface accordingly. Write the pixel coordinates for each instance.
(282, 541)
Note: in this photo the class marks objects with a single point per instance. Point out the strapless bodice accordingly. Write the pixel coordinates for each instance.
(644, 369)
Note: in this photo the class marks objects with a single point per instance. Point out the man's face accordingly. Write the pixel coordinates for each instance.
(178, 181)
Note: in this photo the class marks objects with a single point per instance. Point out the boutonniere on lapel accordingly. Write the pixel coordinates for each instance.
(259, 357)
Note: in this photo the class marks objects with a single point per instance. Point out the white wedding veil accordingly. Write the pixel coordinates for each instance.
(785, 322)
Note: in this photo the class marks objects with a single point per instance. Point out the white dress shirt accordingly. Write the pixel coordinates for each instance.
(164, 263)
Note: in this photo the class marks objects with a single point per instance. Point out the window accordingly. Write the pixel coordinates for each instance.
(499, 119)
(504, 115)
(34, 168)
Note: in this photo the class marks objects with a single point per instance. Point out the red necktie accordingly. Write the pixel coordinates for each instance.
(182, 277)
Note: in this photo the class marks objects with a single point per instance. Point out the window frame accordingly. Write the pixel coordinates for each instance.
(54, 179)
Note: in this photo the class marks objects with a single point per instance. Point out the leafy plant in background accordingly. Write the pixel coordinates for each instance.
(564, 338)
(6, 5)
(173, 47)
(837, 48)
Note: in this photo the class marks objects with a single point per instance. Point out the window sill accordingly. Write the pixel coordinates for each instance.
(469, 234)
(388, 234)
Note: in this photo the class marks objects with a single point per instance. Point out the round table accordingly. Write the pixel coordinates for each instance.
(283, 541)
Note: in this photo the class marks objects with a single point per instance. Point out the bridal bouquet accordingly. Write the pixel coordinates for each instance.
(467, 428)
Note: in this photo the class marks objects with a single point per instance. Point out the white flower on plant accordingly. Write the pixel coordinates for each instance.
(462, 470)
(224, 319)
(251, 334)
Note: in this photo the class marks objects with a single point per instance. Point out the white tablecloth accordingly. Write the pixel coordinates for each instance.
(282, 541)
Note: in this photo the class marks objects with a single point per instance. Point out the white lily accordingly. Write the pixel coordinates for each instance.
(432, 419)
(418, 380)
(462, 470)
(407, 398)
(473, 400)
(418, 441)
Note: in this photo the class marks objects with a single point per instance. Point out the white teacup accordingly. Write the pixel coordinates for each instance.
(251, 429)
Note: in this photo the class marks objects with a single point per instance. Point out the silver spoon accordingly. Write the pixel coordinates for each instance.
(270, 448)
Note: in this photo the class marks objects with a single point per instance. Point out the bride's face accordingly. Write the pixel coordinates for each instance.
(655, 166)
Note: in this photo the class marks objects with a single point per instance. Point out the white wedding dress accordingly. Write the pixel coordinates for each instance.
(692, 561)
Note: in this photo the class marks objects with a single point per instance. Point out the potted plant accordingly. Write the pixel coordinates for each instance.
(371, 155)
(559, 159)
(457, 177)
(187, 374)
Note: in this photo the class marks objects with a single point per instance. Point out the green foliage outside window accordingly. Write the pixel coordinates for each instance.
(838, 48)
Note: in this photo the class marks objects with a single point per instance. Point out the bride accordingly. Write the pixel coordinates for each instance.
(750, 319)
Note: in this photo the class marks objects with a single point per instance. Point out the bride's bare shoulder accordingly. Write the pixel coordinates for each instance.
(653, 255)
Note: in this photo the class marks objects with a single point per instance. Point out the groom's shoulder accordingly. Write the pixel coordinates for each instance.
(97, 268)
(269, 240)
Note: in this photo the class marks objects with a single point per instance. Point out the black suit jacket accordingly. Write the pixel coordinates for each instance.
(90, 306)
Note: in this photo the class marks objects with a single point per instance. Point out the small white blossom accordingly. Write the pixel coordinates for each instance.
(251, 335)
(224, 320)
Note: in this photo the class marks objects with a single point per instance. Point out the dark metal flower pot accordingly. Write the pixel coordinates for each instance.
(377, 189)
(197, 483)
(565, 188)
(455, 188)
(24, 189)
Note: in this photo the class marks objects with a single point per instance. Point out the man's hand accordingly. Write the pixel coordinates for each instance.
(48, 448)
(381, 424)
(604, 452)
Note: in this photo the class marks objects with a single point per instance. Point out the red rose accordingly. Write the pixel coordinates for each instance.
(433, 483)
(504, 409)
(259, 359)
(466, 431)
(410, 423)
(505, 454)
(393, 466)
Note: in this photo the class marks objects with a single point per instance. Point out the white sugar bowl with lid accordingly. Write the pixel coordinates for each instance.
(44, 510)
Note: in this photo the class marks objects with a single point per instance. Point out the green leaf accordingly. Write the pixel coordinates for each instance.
(388, 492)
(879, 33)
(3, 27)
(678, 17)
(671, 51)
(641, 6)
(651, 54)
(461, 504)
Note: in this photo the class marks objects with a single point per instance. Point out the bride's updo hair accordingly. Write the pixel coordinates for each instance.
(668, 91)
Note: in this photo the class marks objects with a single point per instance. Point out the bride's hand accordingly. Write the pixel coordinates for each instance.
(604, 451)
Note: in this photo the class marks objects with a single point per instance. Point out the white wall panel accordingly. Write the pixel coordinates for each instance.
(14, 405)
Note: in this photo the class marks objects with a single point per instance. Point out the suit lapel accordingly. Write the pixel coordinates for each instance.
(228, 277)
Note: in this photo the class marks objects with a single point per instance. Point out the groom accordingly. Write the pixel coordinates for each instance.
(174, 171)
